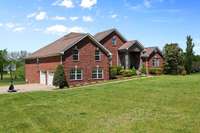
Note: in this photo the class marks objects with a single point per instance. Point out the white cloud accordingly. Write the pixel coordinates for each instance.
(74, 18)
(114, 16)
(11, 25)
(65, 3)
(88, 3)
(61, 29)
(1, 24)
(59, 18)
(39, 16)
(31, 15)
(18, 29)
(87, 19)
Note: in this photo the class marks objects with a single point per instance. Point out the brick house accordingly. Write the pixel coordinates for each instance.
(124, 53)
(153, 57)
(85, 58)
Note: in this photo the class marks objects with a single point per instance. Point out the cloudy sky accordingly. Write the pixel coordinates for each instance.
(31, 24)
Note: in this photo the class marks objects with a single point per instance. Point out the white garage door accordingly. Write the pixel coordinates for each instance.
(50, 78)
(43, 77)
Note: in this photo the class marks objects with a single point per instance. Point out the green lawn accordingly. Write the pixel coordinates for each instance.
(166, 104)
(6, 81)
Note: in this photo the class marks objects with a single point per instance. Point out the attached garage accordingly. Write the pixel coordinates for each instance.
(46, 78)
(50, 76)
(43, 77)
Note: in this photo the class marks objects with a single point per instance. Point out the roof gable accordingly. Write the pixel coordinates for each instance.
(132, 44)
(151, 50)
(102, 35)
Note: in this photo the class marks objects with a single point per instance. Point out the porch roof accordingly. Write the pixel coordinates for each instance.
(136, 45)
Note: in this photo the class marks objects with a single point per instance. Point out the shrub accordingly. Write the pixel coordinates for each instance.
(143, 69)
(59, 79)
(127, 73)
(134, 71)
(113, 72)
(19, 74)
(119, 70)
(155, 71)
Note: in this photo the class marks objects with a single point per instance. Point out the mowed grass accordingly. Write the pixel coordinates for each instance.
(6, 81)
(166, 104)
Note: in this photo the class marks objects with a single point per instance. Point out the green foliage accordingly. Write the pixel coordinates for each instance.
(189, 54)
(129, 72)
(113, 72)
(20, 74)
(119, 69)
(155, 71)
(59, 78)
(3, 61)
(143, 70)
(174, 59)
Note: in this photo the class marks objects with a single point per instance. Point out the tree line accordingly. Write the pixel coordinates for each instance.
(179, 62)
(12, 63)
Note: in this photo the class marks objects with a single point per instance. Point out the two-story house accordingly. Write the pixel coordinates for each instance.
(85, 58)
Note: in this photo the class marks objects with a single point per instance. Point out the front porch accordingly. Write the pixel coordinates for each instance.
(130, 55)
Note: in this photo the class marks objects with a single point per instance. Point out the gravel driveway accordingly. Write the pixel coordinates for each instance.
(26, 88)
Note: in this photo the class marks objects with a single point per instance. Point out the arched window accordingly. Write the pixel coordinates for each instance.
(75, 54)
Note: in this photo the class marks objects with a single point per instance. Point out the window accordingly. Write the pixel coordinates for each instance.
(114, 41)
(97, 73)
(75, 54)
(76, 74)
(155, 62)
(97, 55)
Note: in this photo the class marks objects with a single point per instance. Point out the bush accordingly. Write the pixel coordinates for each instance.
(127, 73)
(113, 72)
(143, 70)
(59, 79)
(134, 71)
(19, 74)
(155, 71)
(119, 70)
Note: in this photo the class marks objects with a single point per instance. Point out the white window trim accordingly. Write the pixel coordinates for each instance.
(97, 68)
(115, 43)
(76, 79)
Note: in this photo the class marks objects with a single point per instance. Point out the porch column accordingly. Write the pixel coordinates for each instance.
(127, 60)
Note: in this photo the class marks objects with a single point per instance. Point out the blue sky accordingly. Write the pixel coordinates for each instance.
(32, 24)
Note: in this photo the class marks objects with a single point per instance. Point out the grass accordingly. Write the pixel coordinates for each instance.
(6, 81)
(166, 104)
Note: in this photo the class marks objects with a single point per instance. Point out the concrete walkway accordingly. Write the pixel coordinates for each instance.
(26, 88)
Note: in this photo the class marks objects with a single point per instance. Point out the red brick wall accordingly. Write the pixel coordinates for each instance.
(86, 62)
(107, 42)
(150, 60)
(32, 69)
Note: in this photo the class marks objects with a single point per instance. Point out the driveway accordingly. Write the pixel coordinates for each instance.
(26, 88)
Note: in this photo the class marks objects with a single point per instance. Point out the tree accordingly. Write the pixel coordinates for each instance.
(59, 79)
(3, 61)
(189, 54)
(174, 59)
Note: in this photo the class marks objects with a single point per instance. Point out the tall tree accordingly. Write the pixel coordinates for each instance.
(3, 61)
(189, 54)
(174, 59)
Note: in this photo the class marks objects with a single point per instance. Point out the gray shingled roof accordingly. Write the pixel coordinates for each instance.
(61, 45)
